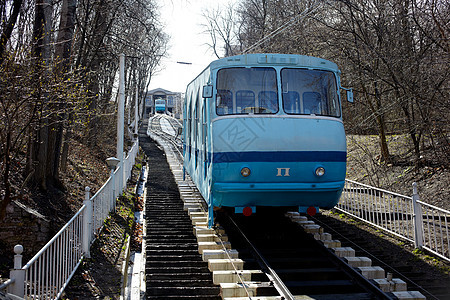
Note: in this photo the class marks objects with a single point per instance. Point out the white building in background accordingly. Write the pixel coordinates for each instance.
(174, 102)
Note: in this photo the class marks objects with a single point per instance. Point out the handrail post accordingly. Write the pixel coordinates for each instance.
(112, 163)
(127, 166)
(136, 111)
(120, 119)
(87, 223)
(113, 189)
(17, 274)
(417, 219)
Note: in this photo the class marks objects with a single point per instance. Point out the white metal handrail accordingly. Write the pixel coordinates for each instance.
(47, 274)
(435, 232)
(7, 283)
(49, 271)
(103, 202)
(130, 160)
(406, 217)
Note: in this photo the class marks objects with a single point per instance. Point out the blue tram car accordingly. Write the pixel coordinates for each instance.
(160, 106)
(266, 130)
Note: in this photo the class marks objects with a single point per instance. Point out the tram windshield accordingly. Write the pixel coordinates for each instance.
(310, 92)
(246, 91)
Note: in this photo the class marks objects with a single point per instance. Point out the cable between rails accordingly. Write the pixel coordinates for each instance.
(239, 275)
(270, 273)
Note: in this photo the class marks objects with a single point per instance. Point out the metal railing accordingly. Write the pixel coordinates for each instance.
(129, 162)
(47, 274)
(425, 225)
(104, 200)
(50, 270)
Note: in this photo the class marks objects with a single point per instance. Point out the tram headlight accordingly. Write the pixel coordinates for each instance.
(245, 172)
(320, 171)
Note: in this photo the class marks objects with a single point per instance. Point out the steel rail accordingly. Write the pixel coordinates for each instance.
(161, 134)
(270, 273)
(238, 274)
(373, 257)
(175, 146)
(363, 281)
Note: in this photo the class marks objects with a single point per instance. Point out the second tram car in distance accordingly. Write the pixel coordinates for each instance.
(160, 106)
(266, 130)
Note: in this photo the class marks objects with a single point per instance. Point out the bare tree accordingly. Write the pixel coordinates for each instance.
(394, 52)
(9, 23)
(18, 110)
(66, 84)
(220, 25)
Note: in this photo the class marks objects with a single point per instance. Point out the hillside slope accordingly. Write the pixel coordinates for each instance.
(364, 165)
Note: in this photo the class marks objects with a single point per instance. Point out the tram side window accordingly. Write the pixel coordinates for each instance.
(196, 127)
(189, 140)
(254, 90)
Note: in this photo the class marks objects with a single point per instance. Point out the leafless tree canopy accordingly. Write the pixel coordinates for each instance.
(58, 64)
(394, 53)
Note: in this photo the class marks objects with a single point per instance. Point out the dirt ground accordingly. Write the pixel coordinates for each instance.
(364, 165)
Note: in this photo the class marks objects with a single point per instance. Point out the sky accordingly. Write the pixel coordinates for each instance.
(183, 19)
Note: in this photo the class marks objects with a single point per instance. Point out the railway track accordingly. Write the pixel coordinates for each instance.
(305, 267)
(399, 262)
(272, 256)
(173, 138)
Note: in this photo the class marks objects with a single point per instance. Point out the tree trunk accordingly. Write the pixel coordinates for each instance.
(379, 117)
(41, 52)
(7, 161)
(65, 148)
(63, 51)
(63, 46)
(6, 34)
(381, 126)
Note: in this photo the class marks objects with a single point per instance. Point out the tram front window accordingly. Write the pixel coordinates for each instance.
(310, 92)
(246, 91)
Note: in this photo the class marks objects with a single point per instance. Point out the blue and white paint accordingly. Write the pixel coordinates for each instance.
(266, 130)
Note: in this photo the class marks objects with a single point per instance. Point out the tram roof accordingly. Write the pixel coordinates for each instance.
(274, 59)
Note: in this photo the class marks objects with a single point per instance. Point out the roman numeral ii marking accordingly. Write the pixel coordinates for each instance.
(280, 171)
